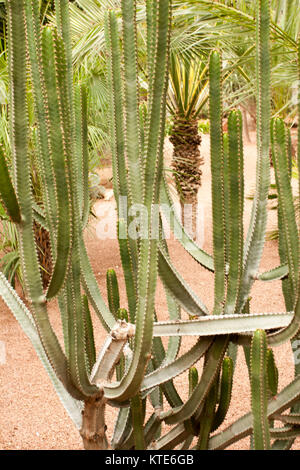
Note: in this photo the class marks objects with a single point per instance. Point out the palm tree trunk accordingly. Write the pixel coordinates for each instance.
(44, 252)
(186, 164)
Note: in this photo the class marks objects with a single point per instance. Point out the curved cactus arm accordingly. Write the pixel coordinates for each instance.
(256, 233)
(217, 171)
(243, 426)
(236, 208)
(285, 198)
(291, 418)
(174, 309)
(122, 428)
(156, 394)
(212, 325)
(174, 437)
(167, 208)
(143, 337)
(207, 417)
(7, 192)
(195, 403)
(178, 288)
(54, 76)
(160, 359)
(274, 274)
(287, 432)
(128, 264)
(63, 308)
(225, 393)
(152, 428)
(289, 331)
(177, 367)
(89, 334)
(173, 344)
(133, 151)
(259, 391)
(93, 292)
(78, 366)
(111, 352)
(26, 322)
(21, 165)
(282, 445)
(39, 216)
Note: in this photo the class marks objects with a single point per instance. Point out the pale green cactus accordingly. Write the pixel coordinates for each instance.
(145, 368)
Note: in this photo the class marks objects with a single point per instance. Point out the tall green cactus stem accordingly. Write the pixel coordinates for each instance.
(259, 390)
(17, 53)
(217, 170)
(298, 101)
(285, 197)
(52, 54)
(81, 106)
(225, 393)
(7, 192)
(133, 151)
(138, 416)
(193, 379)
(256, 233)
(33, 32)
(236, 208)
(89, 335)
(113, 292)
(207, 417)
(272, 373)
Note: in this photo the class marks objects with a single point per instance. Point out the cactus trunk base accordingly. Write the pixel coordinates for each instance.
(93, 430)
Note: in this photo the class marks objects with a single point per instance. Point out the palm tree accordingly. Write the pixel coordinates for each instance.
(188, 92)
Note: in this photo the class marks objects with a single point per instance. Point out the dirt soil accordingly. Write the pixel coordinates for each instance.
(32, 416)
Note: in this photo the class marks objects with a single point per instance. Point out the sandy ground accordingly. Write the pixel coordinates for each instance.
(32, 416)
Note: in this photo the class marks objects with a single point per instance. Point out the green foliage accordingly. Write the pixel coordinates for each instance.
(203, 126)
(134, 349)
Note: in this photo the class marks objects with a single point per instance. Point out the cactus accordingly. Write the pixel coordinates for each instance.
(259, 390)
(144, 366)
